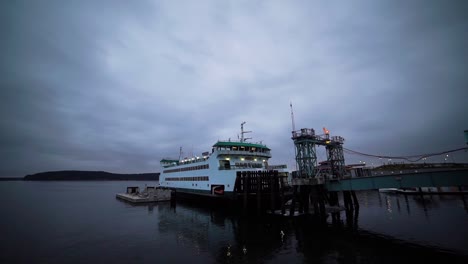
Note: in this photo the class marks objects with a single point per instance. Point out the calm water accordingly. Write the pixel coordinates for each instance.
(82, 222)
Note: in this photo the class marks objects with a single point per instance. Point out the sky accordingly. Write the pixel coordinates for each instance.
(119, 85)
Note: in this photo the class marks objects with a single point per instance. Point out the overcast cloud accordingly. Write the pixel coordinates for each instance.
(118, 85)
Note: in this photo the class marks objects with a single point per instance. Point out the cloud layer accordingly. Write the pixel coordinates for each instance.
(117, 86)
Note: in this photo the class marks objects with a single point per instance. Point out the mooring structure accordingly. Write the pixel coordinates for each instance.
(309, 180)
(318, 184)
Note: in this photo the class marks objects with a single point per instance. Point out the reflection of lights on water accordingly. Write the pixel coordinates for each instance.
(389, 204)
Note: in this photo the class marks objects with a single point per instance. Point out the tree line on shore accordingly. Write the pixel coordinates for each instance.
(74, 175)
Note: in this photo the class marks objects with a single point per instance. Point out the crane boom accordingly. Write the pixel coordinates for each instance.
(292, 118)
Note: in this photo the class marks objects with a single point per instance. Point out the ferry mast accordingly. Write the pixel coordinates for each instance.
(242, 139)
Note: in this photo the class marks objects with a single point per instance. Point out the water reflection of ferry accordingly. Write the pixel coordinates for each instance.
(202, 230)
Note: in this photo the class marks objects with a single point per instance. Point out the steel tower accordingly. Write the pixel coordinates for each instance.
(306, 156)
(335, 156)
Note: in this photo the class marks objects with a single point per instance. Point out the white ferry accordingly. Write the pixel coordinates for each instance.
(214, 173)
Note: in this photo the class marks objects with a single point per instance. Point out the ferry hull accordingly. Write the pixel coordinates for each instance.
(183, 192)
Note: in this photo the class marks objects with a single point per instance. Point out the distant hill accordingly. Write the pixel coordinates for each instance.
(72, 175)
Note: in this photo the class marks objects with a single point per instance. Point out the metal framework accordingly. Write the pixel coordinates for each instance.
(306, 156)
(305, 142)
(335, 157)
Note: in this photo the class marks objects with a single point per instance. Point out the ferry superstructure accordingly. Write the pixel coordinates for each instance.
(214, 173)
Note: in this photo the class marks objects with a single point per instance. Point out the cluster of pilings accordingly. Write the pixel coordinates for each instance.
(316, 196)
(266, 190)
(261, 189)
(304, 196)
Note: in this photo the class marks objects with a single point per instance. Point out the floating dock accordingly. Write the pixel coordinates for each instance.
(148, 195)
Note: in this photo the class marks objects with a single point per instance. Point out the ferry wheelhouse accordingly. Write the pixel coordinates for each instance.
(214, 173)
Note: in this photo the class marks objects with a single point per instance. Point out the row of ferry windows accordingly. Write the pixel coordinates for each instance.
(242, 148)
(199, 178)
(249, 165)
(199, 167)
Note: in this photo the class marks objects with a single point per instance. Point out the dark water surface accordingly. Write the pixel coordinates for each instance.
(83, 222)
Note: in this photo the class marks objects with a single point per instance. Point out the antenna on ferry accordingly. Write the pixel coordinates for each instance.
(180, 153)
(292, 117)
(243, 132)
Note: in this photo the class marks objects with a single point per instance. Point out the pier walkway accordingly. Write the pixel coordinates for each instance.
(401, 180)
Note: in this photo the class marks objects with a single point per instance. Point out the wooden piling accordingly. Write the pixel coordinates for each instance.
(293, 201)
(246, 186)
(273, 179)
(321, 201)
(351, 204)
(300, 199)
(306, 199)
(283, 206)
(347, 200)
(259, 190)
(355, 200)
(334, 198)
(314, 199)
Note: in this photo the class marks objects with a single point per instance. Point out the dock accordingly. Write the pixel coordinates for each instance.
(148, 195)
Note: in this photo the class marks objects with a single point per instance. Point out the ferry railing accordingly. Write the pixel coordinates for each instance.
(234, 167)
(408, 171)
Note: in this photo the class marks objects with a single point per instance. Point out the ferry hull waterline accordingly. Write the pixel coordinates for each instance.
(214, 175)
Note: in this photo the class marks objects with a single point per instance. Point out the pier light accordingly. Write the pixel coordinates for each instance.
(193, 158)
(227, 158)
(264, 160)
(242, 158)
(198, 157)
(255, 159)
